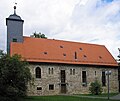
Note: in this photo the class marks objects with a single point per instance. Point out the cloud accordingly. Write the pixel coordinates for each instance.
(4, 5)
(95, 24)
(49, 16)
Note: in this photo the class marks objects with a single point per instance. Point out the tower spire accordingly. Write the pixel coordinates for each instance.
(14, 28)
(15, 8)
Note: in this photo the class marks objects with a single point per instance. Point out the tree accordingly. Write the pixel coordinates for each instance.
(95, 88)
(38, 35)
(1, 53)
(14, 77)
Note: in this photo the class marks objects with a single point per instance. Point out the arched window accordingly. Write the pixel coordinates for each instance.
(73, 71)
(70, 71)
(38, 72)
(49, 70)
(52, 71)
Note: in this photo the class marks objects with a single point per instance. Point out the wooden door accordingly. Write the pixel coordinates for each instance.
(63, 88)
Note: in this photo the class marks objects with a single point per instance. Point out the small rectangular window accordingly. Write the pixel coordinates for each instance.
(49, 70)
(95, 73)
(52, 71)
(73, 71)
(39, 88)
(84, 78)
(51, 87)
(70, 71)
(103, 78)
(14, 40)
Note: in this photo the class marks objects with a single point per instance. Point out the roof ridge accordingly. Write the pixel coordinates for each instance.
(76, 42)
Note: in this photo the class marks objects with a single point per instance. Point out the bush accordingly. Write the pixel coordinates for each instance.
(14, 77)
(95, 88)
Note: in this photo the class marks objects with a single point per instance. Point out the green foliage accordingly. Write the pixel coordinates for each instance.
(1, 53)
(38, 35)
(14, 77)
(95, 88)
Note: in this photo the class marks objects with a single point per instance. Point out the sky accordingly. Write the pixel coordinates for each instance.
(86, 21)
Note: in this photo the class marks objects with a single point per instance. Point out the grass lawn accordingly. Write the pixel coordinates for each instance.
(101, 95)
(62, 98)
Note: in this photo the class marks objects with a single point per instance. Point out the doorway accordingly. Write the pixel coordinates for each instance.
(63, 88)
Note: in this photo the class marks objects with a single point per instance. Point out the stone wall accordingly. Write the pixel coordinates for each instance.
(73, 83)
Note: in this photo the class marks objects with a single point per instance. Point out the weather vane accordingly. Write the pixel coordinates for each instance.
(15, 4)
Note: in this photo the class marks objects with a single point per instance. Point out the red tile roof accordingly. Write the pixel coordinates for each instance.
(56, 51)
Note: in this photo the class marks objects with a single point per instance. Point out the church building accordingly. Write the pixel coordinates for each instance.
(60, 67)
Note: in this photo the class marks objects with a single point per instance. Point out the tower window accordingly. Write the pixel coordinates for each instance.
(14, 40)
(38, 72)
